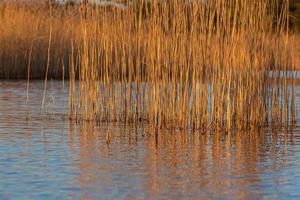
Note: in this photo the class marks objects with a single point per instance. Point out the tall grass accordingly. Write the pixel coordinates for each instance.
(180, 64)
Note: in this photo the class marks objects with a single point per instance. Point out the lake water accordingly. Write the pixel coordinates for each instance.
(52, 158)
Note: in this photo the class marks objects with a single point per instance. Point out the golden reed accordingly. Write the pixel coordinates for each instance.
(219, 64)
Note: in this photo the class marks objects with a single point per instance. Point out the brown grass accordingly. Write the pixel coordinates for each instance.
(175, 65)
(297, 52)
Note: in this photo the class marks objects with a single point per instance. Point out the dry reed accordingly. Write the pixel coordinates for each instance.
(219, 64)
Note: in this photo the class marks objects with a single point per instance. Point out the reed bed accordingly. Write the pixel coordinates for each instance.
(183, 64)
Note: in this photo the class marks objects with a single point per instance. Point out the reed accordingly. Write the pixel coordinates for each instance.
(185, 64)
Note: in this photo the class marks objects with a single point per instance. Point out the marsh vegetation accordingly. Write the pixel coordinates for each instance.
(183, 65)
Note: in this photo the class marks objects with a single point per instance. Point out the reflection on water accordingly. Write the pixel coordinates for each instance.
(42, 158)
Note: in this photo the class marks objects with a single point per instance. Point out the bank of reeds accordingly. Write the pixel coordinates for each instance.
(180, 64)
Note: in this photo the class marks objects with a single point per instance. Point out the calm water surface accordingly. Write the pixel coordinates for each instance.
(51, 158)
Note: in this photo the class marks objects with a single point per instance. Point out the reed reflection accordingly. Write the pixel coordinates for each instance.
(179, 163)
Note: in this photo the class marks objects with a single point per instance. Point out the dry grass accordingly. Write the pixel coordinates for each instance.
(175, 65)
(24, 35)
(297, 52)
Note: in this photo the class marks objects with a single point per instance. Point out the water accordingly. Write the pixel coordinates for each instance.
(51, 158)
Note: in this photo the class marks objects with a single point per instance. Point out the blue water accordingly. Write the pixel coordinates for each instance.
(51, 158)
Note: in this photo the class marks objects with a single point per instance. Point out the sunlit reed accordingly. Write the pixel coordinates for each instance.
(182, 64)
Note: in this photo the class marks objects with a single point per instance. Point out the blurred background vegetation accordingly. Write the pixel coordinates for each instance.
(295, 14)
